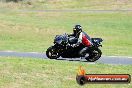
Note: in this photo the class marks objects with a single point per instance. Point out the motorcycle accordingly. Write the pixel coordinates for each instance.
(63, 46)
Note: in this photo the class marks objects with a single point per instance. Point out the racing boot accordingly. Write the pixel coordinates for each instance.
(82, 53)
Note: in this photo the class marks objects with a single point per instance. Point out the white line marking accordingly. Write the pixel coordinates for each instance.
(117, 56)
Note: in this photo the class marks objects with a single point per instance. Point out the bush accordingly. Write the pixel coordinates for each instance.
(10, 0)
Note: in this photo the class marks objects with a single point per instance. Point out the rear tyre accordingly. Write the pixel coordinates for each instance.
(52, 53)
(94, 55)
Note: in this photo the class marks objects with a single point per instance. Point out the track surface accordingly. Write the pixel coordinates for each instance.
(103, 59)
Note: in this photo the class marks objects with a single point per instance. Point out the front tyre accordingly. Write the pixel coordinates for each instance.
(94, 55)
(52, 53)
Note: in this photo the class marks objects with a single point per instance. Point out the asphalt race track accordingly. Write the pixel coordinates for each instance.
(104, 59)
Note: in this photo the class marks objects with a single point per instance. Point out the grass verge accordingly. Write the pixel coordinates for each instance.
(42, 73)
(35, 31)
(70, 4)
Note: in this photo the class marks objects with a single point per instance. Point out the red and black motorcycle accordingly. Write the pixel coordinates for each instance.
(63, 46)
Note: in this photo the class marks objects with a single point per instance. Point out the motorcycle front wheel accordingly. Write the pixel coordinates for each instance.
(52, 53)
(94, 55)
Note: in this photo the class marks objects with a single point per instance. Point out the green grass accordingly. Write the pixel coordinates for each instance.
(70, 4)
(35, 31)
(41, 73)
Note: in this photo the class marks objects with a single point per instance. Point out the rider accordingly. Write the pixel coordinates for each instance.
(82, 37)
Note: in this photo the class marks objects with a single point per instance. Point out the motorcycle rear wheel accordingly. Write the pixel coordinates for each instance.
(94, 55)
(52, 53)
